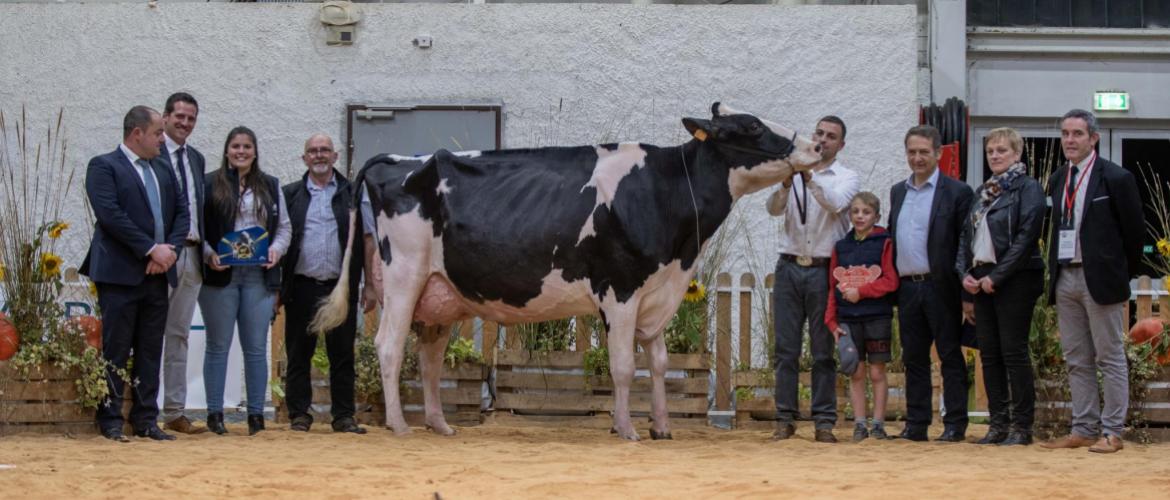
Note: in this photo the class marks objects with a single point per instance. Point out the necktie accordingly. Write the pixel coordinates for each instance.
(1070, 197)
(181, 169)
(153, 197)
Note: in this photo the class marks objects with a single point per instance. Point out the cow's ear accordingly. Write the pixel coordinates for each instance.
(701, 129)
(715, 109)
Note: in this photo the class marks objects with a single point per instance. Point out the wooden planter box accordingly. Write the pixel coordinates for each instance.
(1053, 409)
(552, 384)
(761, 409)
(46, 403)
(461, 390)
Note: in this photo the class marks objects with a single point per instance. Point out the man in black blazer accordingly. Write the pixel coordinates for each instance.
(926, 216)
(179, 117)
(1094, 246)
(140, 223)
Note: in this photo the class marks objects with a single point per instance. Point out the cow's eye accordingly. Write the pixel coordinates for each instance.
(755, 128)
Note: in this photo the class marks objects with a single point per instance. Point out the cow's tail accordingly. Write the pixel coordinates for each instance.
(333, 310)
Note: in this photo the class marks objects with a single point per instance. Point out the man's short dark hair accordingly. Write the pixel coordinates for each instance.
(836, 120)
(179, 97)
(137, 117)
(1089, 118)
(927, 131)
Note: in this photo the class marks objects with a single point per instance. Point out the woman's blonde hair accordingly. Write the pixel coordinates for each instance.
(1008, 134)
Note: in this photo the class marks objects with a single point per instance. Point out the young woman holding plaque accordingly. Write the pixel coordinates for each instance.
(241, 196)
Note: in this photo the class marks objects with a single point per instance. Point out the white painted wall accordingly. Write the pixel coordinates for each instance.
(566, 73)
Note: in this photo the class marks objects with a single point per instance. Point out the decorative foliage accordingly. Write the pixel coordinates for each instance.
(461, 350)
(554, 335)
(35, 182)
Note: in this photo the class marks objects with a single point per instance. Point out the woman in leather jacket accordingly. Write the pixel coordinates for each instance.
(999, 259)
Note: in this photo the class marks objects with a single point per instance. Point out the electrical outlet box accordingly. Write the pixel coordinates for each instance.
(422, 41)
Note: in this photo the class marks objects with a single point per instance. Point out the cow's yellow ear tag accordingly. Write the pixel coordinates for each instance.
(700, 134)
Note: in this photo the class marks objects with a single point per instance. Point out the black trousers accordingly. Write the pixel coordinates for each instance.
(299, 344)
(1002, 323)
(133, 320)
(924, 318)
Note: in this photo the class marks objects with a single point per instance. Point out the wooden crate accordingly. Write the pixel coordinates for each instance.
(762, 407)
(1057, 410)
(46, 403)
(551, 384)
(461, 389)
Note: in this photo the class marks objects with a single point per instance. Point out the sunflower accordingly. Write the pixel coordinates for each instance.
(695, 292)
(2, 269)
(1164, 247)
(50, 264)
(1166, 283)
(93, 289)
(56, 228)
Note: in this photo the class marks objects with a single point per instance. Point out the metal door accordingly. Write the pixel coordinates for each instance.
(419, 129)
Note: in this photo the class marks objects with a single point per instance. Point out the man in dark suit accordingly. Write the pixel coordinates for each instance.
(318, 208)
(140, 223)
(187, 163)
(926, 216)
(1094, 246)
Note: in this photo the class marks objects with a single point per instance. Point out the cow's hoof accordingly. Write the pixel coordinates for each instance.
(443, 430)
(399, 431)
(655, 435)
(631, 436)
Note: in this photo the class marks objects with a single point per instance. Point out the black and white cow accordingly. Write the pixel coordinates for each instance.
(528, 235)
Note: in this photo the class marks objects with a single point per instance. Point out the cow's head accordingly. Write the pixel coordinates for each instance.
(759, 153)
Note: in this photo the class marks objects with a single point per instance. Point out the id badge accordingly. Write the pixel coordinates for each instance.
(1066, 245)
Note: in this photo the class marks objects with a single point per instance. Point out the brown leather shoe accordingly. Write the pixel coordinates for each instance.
(1070, 441)
(825, 436)
(783, 431)
(184, 426)
(1107, 444)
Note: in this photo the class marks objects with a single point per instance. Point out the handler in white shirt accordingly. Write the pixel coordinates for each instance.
(815, 206)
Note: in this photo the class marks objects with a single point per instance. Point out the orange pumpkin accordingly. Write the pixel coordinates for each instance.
(9, 338)
(91, 326)
(1148, 330)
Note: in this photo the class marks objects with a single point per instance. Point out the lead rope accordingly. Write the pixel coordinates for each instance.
(695, 204)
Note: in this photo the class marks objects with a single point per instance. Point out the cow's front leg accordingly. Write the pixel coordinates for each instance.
(430, 363)
(621, 367)
(656, 350)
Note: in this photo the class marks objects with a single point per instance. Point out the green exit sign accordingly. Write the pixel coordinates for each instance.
(1111, 101)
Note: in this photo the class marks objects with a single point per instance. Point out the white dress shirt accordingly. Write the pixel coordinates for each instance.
(1084, 168)
(827, 213)
(192, 208)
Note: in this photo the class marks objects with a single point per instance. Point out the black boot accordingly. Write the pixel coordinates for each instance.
(215, 423)
(1017, 437)
(255, 424)
(995, 435)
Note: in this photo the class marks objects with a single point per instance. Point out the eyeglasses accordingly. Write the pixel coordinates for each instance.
(319, 151)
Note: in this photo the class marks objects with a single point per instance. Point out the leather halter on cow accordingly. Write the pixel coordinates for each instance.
(526, 235)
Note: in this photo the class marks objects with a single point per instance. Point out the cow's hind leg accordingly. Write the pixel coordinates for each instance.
(392, 331)
(656, 350)
(620, 326)
(433, 343)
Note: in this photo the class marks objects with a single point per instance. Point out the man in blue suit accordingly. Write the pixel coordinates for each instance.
(140, 222)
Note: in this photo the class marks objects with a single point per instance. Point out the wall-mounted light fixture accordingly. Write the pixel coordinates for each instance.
(340, 18)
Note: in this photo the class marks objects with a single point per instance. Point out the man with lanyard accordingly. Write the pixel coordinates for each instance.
(801, 290)
(1096, 205)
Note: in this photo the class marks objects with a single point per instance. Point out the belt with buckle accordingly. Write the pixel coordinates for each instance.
(806, 261)
(1072, 265)
(191, 243)
(916, 277)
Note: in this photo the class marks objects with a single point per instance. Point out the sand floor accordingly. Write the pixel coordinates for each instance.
(506, 460)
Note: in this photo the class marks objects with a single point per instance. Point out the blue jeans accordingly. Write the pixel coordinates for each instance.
(245, 302)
